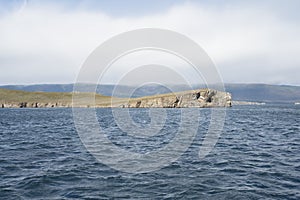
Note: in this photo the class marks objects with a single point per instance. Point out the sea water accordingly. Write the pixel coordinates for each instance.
(257, 156)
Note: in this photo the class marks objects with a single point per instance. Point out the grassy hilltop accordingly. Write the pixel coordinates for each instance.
(14, 98)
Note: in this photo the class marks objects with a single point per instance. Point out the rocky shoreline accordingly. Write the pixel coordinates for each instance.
(35, 105)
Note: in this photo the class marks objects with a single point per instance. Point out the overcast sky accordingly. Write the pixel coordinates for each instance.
(249, 41)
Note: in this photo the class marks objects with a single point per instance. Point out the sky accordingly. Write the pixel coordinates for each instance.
(249, 41)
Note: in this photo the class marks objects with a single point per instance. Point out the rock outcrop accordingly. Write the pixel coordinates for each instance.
(195, 98)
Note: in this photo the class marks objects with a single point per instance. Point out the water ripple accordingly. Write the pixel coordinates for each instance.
(257, 157)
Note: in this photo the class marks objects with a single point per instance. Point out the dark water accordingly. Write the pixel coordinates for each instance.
(256, 157)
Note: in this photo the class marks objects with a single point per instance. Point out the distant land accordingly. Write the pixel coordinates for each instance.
(200, 98)
(240, 92)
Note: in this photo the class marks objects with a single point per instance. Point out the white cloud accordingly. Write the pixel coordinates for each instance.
(247, 43)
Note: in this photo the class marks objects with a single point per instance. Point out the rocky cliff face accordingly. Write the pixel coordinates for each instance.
(195, 98)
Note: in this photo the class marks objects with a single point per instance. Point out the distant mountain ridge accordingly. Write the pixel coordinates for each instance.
(264, 92)
(240, 92)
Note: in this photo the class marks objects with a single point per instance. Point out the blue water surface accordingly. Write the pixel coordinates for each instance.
(256, 157)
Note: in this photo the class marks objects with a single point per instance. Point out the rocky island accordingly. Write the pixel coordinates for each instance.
(201, 98)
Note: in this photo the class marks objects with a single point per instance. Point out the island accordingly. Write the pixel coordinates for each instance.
(201, 98)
